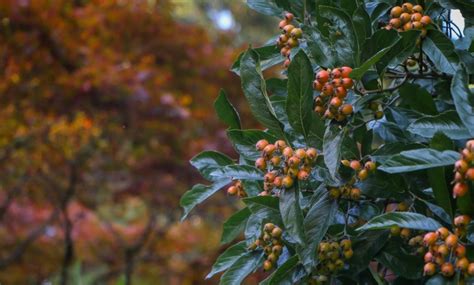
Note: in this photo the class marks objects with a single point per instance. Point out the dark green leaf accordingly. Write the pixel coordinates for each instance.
(342, 35)
(242, 172)
(439, 48)
(291, 214)
(253, 85)
(439, 212)
(463, 97)
(266, 7)
(332, 145)
(402, 219)
(226, 112)
(269, 56)
(288, 273)
(198, 194)
(241, 268)
(256, 203)
(316, 223)
(228, 257)
(401, 263)
(208, 161)
(417, 98)
(244, 141)
(419, 159)
(357, 73)
(235, 225)
(400, 51)
(448, 123)
(299, 104)
(319, 47)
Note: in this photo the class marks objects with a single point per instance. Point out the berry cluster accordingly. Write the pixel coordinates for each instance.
(332, 256)
(446, 254)
(408, 17)
(289, 38)
(237, 190)
(464, 170)
(283, 164)
(271, 242)
(405, 233)
(333, 85)
(361, 172)
(346, 192)
(377, 109)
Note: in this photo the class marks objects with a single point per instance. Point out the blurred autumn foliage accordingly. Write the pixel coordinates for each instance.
(102, 103)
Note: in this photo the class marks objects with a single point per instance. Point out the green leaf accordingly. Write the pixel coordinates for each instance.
(418, 159)
(253, 86)
(400, 51)
(269, 56)
(417, 98)
(316, 223)
(198, 194)
(439, 212)
(266, 7)
(332, 145)
(402, 219)
(241, 172)
(287, 274)
(357, 73)
(228, 257)
(226, 112)
(291, 214)
(401, 263)
(365, 247)
(447, 123)
(256, 203)
(342, 35)
(439, 48)
(299, 104)
(208, 161)
(319, 47)
(235, 225)
(244, 141)
(361, 21)
(241, 268)
(463, 97)
(440, 280)
(383, 185)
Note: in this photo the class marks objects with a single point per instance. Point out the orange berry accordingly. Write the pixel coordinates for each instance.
(405, 233)
(407, 7)
(287, 152)
(451, 241)
(470, 269)
(470, 174)
(287, 181)
(395, 230)
(462, 221)
(322, 76)
(460, 251)
(370, 166)
(278, 182)
(232, 190)
(289, 16)
(429, 269)
(461, 166)
(261, 144)
(355, 164)
(462, 264)
(363, 174)
(460, 189)
(267, 265)
(269, 150)
(418, 9)
(303, 175)
(467, 155)
(443, 233)
(311, 153)
(470, 145)
(328, 89)
(300, 153)
(416, 26)
(428, 257)
(355, 194)
(430, 238)
(282, 24)
(346, 109)
(347, 83)
(336, 73)
(345, 71)
(447, 269)
(260, 163)
(416, 17)
(425, 20)
(287, 29)
(396, 12)
(405, 18)
(443, 250)
(294, 161)
(395, 23)
(318, 86)
(341, 92)
(336, 102)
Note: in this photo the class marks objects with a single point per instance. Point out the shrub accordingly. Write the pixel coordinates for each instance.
(363, 173)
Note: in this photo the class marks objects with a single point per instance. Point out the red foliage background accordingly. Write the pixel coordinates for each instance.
(102, 104)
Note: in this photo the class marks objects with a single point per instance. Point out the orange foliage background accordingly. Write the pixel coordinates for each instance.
(102, 104)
